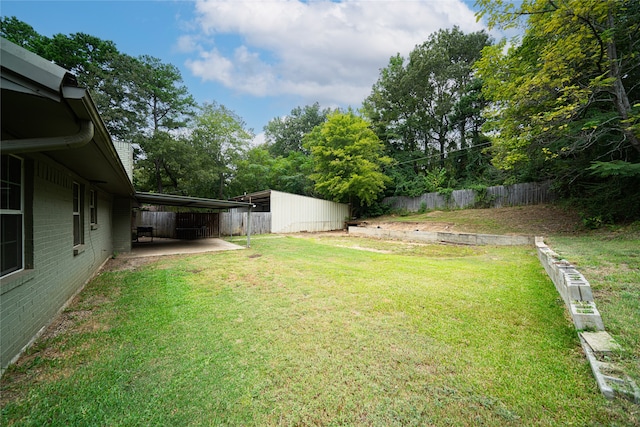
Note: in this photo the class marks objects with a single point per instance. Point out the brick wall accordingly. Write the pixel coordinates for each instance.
(30, 299)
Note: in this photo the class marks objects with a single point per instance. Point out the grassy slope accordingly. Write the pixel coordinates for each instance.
(314, 332)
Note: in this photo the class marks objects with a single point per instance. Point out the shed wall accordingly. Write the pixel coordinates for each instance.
(291, 213)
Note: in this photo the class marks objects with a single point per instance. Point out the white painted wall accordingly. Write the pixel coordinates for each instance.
(291, 213)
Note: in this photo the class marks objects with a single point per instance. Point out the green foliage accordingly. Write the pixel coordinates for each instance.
(564, 97)
(615, 168)
(348, 160)
(258, 170)
(482, 200)
(219, 140)
(446, 193)
(556, 96)
(22, 34)
(435, 179)
(376, 209)
(285, 134)
(98, 66)
(427, 111)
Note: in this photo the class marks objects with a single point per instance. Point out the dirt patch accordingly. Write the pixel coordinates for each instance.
(360, 248)
(127, 264)
(539, 220)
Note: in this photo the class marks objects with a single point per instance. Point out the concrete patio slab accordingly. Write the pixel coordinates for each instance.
(161, 246)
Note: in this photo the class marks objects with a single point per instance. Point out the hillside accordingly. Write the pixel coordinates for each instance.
(538, 220)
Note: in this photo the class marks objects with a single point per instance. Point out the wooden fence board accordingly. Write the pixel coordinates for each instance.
(235, 223)
(498, 196)
(163, 223)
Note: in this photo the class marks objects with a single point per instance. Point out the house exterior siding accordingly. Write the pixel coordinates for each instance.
(31, 298)
(121, 226)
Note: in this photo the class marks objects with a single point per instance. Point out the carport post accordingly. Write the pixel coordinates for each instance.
(249, 227)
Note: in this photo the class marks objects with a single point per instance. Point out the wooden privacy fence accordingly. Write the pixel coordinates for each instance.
(493, 197)
(235, 223)
(188, 225)
(163, 223)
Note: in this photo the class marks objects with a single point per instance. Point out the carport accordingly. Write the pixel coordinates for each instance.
(194, 202)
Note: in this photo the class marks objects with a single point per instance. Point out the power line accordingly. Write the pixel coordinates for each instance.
(449, 152)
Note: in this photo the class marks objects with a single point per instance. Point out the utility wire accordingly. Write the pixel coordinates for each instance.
(448, 152)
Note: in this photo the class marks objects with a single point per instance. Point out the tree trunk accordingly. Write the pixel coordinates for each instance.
(221, 177)
(620, 94)
(159, 188)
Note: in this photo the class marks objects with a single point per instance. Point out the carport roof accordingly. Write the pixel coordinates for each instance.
(257, 198)
(184, 201)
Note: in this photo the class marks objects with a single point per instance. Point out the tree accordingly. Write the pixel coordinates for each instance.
(430, 105)
(284, 135)
(348, 160)
(98, 66)
(567, 96)
(22, 34)
(253, 171)
(571, 87)
(219, 141)
(164, 104)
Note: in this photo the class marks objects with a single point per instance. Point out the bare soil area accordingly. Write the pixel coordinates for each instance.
(128, 264)
(538, 220)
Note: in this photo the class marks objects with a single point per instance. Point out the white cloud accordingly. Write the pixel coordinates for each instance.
(319, 50)
(258, 139)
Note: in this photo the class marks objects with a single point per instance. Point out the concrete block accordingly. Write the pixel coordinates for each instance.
(585, 315)
(600, 342)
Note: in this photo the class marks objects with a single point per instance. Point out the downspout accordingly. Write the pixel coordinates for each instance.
(82, 137)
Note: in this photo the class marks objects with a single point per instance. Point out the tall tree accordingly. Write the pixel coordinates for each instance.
(570, 88)
(22, 34)
(284, 134)
(348, 160)
(219, 139)
(97, 64)
(164, 103)
(421, 107)
(566, 99)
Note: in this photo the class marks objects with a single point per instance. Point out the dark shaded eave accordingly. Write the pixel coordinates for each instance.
(188, 202)
(42, 104)
(257, 198)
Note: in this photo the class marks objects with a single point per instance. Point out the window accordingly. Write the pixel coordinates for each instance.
(78, 214)
(11, 214)
(93, 207)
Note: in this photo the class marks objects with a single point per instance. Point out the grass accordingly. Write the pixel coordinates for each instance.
(610, 260)
(315, 331)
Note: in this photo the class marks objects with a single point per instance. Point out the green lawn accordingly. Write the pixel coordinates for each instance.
(611, 263)
(316, 331)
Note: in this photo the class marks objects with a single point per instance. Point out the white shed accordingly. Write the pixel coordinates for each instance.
(292, 213)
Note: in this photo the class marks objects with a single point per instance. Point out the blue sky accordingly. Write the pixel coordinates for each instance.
(259, 58)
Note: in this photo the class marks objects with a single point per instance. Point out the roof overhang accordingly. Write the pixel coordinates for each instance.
(45, 111)
(257, 198)
(189, 202)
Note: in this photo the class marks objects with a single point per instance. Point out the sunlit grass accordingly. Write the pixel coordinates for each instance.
(611, 263)
(313, 331)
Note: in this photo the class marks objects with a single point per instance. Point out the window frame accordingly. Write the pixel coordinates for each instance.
(20, 212)
(78, 214)
(93, 208)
